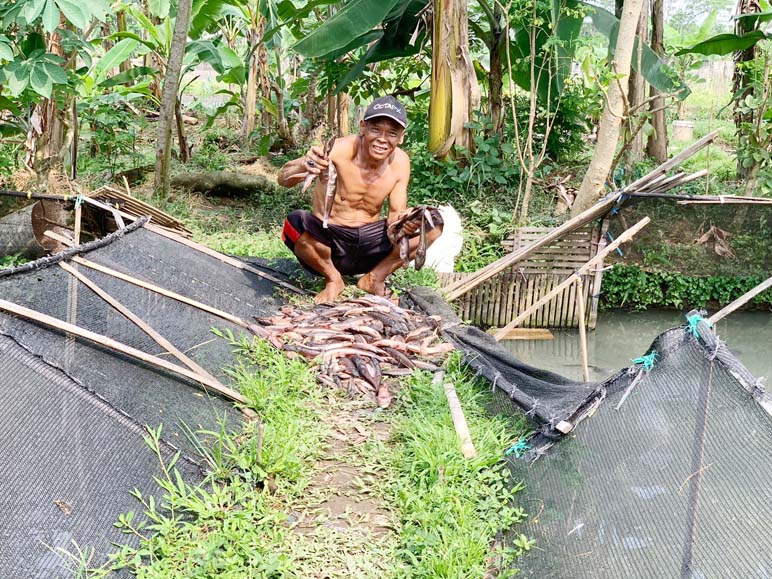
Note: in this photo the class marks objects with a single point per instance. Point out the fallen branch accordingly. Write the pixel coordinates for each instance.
(223, 183)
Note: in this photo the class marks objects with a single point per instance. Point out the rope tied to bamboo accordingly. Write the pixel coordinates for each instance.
(647, 361)
(519, 448)
(694, 321)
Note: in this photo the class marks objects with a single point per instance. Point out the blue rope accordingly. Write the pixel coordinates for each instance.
(647, 361)
(78, 200)
(611, 239)
(519, 448)
(694, 321)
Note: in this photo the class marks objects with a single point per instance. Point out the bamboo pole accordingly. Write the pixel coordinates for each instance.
(582, 330)
(222, 257)
(459, 288)
(111, 344)
(457, 414)
(741, 301)
(675, 161)
(76, 227)
(599, 257)
(139, 322)
(162, 291)
(683, 180)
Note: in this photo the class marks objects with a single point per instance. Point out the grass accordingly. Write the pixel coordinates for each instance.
(237, 523)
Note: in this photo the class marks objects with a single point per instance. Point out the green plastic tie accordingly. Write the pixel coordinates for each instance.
(694, 321)
(519, 448)
(647, 361)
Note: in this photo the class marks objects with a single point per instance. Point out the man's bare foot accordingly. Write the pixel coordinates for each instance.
(370, 285)
(330, 292)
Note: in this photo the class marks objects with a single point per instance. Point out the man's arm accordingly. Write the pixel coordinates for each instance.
(295, 172)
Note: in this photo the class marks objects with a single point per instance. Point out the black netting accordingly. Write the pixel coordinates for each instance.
(68, 462)
(673, 483)
(546, 397)
(73, 412)
(696, 239)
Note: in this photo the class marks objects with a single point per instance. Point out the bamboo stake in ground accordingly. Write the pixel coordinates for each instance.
(599, 257)
(582, 329)
(139, 322)
(741, 301)
(457, 414)
(107, 342)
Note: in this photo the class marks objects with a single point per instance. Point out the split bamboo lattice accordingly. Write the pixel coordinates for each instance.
(498, 300)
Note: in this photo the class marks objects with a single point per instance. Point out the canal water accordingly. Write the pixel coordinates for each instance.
(621, 336)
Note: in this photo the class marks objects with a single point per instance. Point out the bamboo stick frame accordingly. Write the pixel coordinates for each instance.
(161, 291)
(117, 346)
(582, 329)
(224, 258)
(741, 301)
(599, 257)
(457, 414)
(139, 322)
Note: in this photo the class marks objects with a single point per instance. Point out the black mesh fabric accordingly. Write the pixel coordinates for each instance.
(673, 483)
(68, 461)
(73, 412)
(546, 397)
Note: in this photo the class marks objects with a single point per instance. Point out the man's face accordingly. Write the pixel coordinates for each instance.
(381, 135)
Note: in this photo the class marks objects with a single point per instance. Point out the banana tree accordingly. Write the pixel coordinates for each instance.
(40, 43)
(752, 111)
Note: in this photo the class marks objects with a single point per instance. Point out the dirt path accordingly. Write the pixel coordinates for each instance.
(341, 528)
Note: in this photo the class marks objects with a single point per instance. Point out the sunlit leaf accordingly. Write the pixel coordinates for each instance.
(118, 54)
(353, 20)
(75, 12)
(32, 9)
(50, 16)
(158, 8)
(40, 81)
(723, 44)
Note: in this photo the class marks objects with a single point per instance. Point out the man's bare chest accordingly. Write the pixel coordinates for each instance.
(355, 182)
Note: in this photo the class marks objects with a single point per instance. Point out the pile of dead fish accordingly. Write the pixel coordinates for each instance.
(357, 342)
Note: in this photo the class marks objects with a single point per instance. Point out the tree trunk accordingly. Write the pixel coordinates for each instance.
(169, 97)
(120, 18)
(637, 92)
(496, 73)
(181, 140)
(743, 84)
(454, 89)
(343, 122)
(250, 102)
(265, 78)
(46, 135)
(608, 131)
(657, 145)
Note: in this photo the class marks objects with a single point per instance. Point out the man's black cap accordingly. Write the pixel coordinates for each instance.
(387, 106)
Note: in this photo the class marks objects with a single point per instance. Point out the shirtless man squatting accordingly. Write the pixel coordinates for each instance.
(371, 169)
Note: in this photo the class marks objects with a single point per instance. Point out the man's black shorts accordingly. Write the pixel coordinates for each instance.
(355, 250)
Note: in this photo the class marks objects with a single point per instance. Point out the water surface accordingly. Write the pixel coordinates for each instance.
(621, 336)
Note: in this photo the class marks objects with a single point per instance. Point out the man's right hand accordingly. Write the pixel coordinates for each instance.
(316, 161)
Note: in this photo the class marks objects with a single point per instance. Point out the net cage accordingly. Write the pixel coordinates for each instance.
(665, 473)
(695, 236)
(74, 413)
